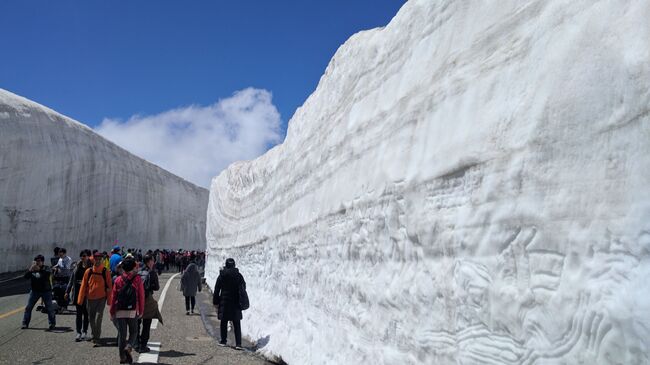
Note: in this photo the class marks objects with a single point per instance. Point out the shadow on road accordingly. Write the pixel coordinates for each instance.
(42, 361)
(174, 353)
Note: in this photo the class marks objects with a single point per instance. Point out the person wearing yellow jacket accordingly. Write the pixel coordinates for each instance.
(105, 260)
(96, 287)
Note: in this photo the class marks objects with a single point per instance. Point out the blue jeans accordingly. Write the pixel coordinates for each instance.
(124, 325)
(34, 296)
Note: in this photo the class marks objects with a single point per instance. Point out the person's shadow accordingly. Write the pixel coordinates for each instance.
(57, 329)
(174, 354)
(106, 342)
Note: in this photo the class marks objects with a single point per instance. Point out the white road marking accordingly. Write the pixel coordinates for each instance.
(154, 322)
(151, 356)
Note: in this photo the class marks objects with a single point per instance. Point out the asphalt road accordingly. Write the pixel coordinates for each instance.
(182, 339)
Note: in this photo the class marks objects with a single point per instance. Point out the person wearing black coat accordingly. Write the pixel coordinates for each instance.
(72, 292)
(226, 297)
(41, 284)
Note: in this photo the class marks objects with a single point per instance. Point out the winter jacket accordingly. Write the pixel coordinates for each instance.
(191, 280)
(114, 260)
(226, 294)
(136, 281)
(151, 284)
(93, 286)
(41, 280)
(74, 285)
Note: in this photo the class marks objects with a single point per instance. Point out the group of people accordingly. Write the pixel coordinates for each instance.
(125, 282)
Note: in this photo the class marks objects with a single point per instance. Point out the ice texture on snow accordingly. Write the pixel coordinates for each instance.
(468, 185)
(61, 184)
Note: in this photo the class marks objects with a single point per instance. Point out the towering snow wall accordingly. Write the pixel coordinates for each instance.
(468, 185)
(61, 184)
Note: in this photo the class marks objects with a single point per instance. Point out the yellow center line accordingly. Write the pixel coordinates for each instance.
(17, 310)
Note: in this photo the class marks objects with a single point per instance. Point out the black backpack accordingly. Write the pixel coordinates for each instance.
(126, 297)
(146, 282)
(243, 297)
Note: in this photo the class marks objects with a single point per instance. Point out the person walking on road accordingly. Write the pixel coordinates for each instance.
(41, 287)
(105, 260)
(127, 306)
(95, 292)
(54, 259)
(63, 267)
(190, 283)
(160, 261)
(61, 273)
(150, 279)
(72, 291)
(115, 259)
(177, 261)
(226, 296)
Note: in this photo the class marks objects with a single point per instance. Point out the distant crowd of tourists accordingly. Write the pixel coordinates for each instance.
(125, 280)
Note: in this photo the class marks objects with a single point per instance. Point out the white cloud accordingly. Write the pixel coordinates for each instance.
(197, 142)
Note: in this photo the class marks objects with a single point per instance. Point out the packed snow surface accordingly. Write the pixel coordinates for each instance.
(468, 185)
(63, 185)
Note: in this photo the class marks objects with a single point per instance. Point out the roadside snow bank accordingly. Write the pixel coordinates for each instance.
(62, 184)
(468, 185)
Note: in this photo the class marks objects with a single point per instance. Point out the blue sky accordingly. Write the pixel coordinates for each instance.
(93, 59)
(117, 59)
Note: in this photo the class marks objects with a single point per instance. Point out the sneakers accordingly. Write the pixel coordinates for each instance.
(78, 338)
(144, 349)
(239, 348)
(84, 336)
(127, 355)
(192, 311)
(187, 313)
(222, 344)
(51, 327)
(24, 327)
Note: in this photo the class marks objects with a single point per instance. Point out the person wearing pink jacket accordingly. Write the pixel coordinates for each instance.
(127, 306)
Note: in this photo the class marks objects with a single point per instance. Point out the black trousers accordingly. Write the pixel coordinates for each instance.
(224, 331)
(82, 318)
(143, 339)
(188, 301)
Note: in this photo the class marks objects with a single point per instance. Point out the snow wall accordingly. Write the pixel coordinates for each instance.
(468, 185)
(61, 184)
